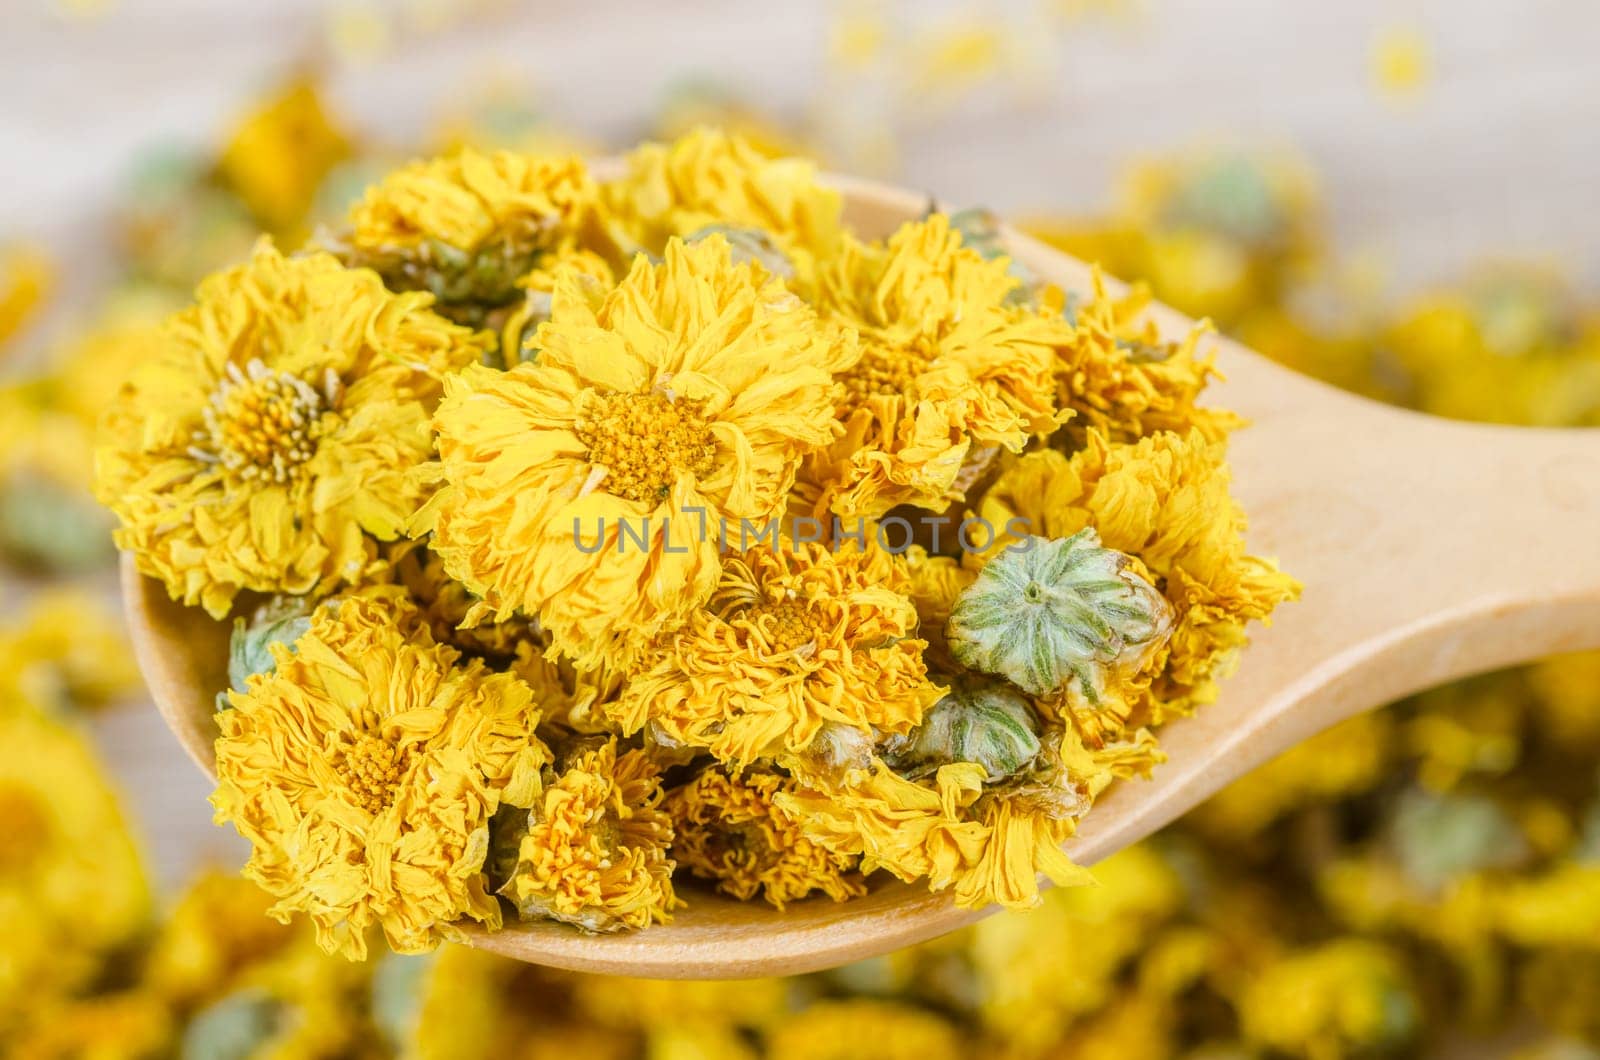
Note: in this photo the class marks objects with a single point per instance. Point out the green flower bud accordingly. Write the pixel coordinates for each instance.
(1046, 612)
(979, 721)
(1441, 837)
(397, 985)
(233, 1028)
(46, 526)
(750, 244)
(1230, 196)
(280, 621)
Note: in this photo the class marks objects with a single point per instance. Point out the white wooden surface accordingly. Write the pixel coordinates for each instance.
(1500, 152)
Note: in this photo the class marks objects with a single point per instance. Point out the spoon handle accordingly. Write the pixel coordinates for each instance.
(1429, 550)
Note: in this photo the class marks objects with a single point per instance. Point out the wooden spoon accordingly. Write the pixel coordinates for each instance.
(1429, 550)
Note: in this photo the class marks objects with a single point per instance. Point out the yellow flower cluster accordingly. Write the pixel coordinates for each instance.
(576, 503)
(1419, 874)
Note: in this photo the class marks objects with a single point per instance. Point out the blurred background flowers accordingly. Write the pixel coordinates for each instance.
(1396, 198)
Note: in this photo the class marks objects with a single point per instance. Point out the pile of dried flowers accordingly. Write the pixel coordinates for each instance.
(576, 532)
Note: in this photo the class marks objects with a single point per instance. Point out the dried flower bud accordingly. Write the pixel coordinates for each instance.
(398, 980)
(1441, 837)
(750, 244)
(237, 1025)
(1045, 611)
(979, 721)
(280, 621)
(44, 525)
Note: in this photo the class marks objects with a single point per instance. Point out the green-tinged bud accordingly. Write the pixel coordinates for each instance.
(750, 244)
(1441, 837)
(233, 1028)
(979, 721)
(468, 285)
(487, 276)
(1230, 197)
(397, 984)
(49, 527)
(280, 621)
(1048, 614)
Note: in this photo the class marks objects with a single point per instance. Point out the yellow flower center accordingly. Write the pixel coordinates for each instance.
(24, 828)
(643, 442)
(371, 768)
(262, 424)
(880, 373)
(787, 625)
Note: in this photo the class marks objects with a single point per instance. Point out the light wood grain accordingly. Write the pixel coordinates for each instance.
(1429, 550)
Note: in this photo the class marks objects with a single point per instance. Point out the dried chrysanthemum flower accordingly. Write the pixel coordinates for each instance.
(591, 487)
(518, 322)
(364, 770)
(980, 230)
(592, 850)
(276, 433)
(945, 367)
(122, 1023)
(951, 829)
(65, 649)
(468, 226)
(1064, 613)
(212, 936)
(793, 639)
(280, 154)
(1349, 995)
(709, 179)
(49, 522)
(728, 829)
(72, 889)
(1119, 376)
(979, 721)
(863, 1028)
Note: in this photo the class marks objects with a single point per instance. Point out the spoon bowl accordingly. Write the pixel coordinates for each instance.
(1429, 550)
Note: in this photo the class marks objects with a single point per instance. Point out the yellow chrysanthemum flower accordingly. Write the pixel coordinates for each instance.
(49, 521)
(592, 851)
(694, 1004)
(66, 649)
(591, 487)
(1027, 993)
(990, 846)
(274, 435)
(364, 771)
(710, 179)
(946, 368)
(866, 1029)
(218, 930)
(1164, 501)
(27, 278)
(467, 226)
(457, 1008)
(538, 296)
(795, 638)
(317, 1006)
(280, 154)
(1119, 377)
(728, 829)
(71, 886)
(1345, 996)
(126, 1025)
